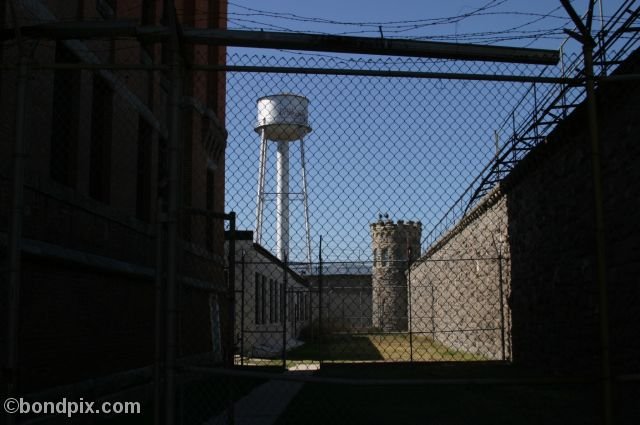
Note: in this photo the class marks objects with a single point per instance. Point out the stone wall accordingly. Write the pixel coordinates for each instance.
(552, 234)
(346, 302)
(544, 212)
(460, 286)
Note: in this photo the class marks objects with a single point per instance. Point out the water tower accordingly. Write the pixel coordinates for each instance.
(283, 119)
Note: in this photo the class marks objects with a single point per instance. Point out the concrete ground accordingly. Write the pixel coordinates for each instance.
(265, 403)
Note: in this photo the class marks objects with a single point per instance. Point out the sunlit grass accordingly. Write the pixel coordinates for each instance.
(379, 347)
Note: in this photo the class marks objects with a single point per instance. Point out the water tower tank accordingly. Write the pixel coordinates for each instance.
(283, 117)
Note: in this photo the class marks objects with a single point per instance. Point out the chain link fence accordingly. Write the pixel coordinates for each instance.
(408, 236)
(381, 146)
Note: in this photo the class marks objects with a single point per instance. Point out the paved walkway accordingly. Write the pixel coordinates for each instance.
(264, 404)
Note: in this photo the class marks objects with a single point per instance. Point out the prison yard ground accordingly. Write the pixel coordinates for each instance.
(378, 347)
(466, 389)
(447, 403)
(201, 399)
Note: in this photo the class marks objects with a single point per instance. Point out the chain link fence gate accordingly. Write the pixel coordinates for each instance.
(444, 201)
(440, 221)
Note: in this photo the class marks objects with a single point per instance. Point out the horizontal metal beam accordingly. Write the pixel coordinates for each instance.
(309, 71)
(293, 41)
(373, 46)
(388, 74)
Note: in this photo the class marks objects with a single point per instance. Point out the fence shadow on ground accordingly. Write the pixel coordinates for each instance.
(338, 347)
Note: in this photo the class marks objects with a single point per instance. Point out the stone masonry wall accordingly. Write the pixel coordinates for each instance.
(551, 206)
(456, 287)
(346, 302)
(544, 211)
(392, 243)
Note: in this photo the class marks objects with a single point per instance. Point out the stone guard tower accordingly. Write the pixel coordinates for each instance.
(392, 243)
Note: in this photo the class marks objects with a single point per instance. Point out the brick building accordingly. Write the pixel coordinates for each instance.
(95, 181)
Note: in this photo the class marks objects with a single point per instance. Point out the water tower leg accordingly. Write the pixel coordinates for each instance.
(282, 201)
(305, 199)
(261, 181)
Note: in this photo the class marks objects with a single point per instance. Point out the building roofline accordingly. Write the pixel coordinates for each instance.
(247, 235)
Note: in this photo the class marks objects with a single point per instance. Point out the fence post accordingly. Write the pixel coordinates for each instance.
(600, 234)
(320, 302)
(231, 289)
(409, 304)
(242, 301)
(15, 233)
(231, 327)
(174, 188)
(501, 293)
(284, 309)
(159, 378)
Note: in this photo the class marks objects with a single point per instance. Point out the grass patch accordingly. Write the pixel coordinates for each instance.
(378, 347)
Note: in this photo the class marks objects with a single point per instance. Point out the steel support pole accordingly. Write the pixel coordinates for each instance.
(282, 201)
(174, 186)
(501, 293)
(160, 307)
(15, 234)
(231, 285)
(305, 199)
(409, 305)
(320, 300)
(242, 311)
(231, 289)
(600, 235)
(284, 310)
(261, 182)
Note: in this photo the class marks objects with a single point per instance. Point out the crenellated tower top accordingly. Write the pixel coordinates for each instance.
(392, 241)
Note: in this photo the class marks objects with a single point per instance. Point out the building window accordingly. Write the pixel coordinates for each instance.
(272, 302)
(163, 172)
(385, 256)
(301, 305)
(280, 301)
(143, 171)
(263, 310)
(188, 186)
(277, 300)
(106, 8)
(210, 199)
(100, 146)
(64, 121)
(307, 307)
(257, 296)
(292, 308)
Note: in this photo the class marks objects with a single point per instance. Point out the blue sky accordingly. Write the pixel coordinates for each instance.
(406, 147)
(415, 19)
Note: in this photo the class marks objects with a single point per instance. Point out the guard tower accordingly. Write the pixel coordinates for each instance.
(282, 118)
(392, 245)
